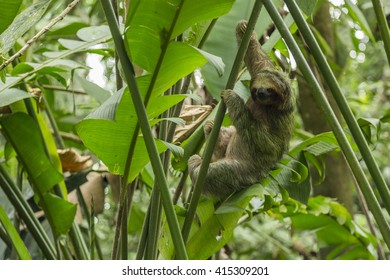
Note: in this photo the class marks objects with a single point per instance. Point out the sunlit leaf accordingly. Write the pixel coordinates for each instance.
(21, 24)
(55, 60)
(110, 140)
(93, 33)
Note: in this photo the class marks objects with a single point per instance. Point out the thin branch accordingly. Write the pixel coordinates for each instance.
(39, 34)
(58, 88)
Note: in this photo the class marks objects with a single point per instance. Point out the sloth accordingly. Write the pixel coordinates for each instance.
(246, 152)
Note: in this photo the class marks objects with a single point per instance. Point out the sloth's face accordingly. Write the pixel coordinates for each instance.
(269, 88)
(265, 96)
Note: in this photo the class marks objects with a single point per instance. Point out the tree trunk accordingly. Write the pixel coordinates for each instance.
(338, 181)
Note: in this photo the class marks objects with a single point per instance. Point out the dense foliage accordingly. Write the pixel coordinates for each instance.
(82, 177)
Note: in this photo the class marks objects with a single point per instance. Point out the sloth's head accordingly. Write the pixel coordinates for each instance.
(270, 88)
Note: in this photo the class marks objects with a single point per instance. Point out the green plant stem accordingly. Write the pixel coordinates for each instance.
(125, 217)
(64, 249)
(180, 187)
(207, 33)
(122, 212)
(5, 238)
(151, 252)
(144, 236)
(323, 103)
(221, 110)
(146, 131)
(26, 213)
(154, 225)
(341, 102)
(383, 26)
(53, 123)
(78, 242)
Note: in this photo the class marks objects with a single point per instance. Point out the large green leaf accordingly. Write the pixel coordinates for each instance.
(22, 23)
(8, 11)
(23, 133)
(110, 140)
(13, 235)
(152, 26)
(21, 130)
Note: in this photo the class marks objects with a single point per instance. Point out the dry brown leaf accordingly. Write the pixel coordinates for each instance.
(72, 161)
(193, 115)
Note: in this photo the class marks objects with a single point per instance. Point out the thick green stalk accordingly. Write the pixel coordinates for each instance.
(144, 236)
(146, 131)
(78, 241)
(122, 212)
(123, 192)
(24, 210)
(221, 110)
(151, 252)
(153, 225)
(323, 103)
(383, 27)
(341, 102)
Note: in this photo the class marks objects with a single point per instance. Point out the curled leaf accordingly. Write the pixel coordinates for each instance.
(72, 161)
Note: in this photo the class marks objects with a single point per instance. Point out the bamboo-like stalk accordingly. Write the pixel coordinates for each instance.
(221, 110)
(146, 131)
(323, 103)
(26, 213)
(383, 27)
(144, 236)
(341, 101)
(123, 191)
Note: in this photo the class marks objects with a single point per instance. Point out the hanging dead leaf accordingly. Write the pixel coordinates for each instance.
(72, 161)
(193, 115)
